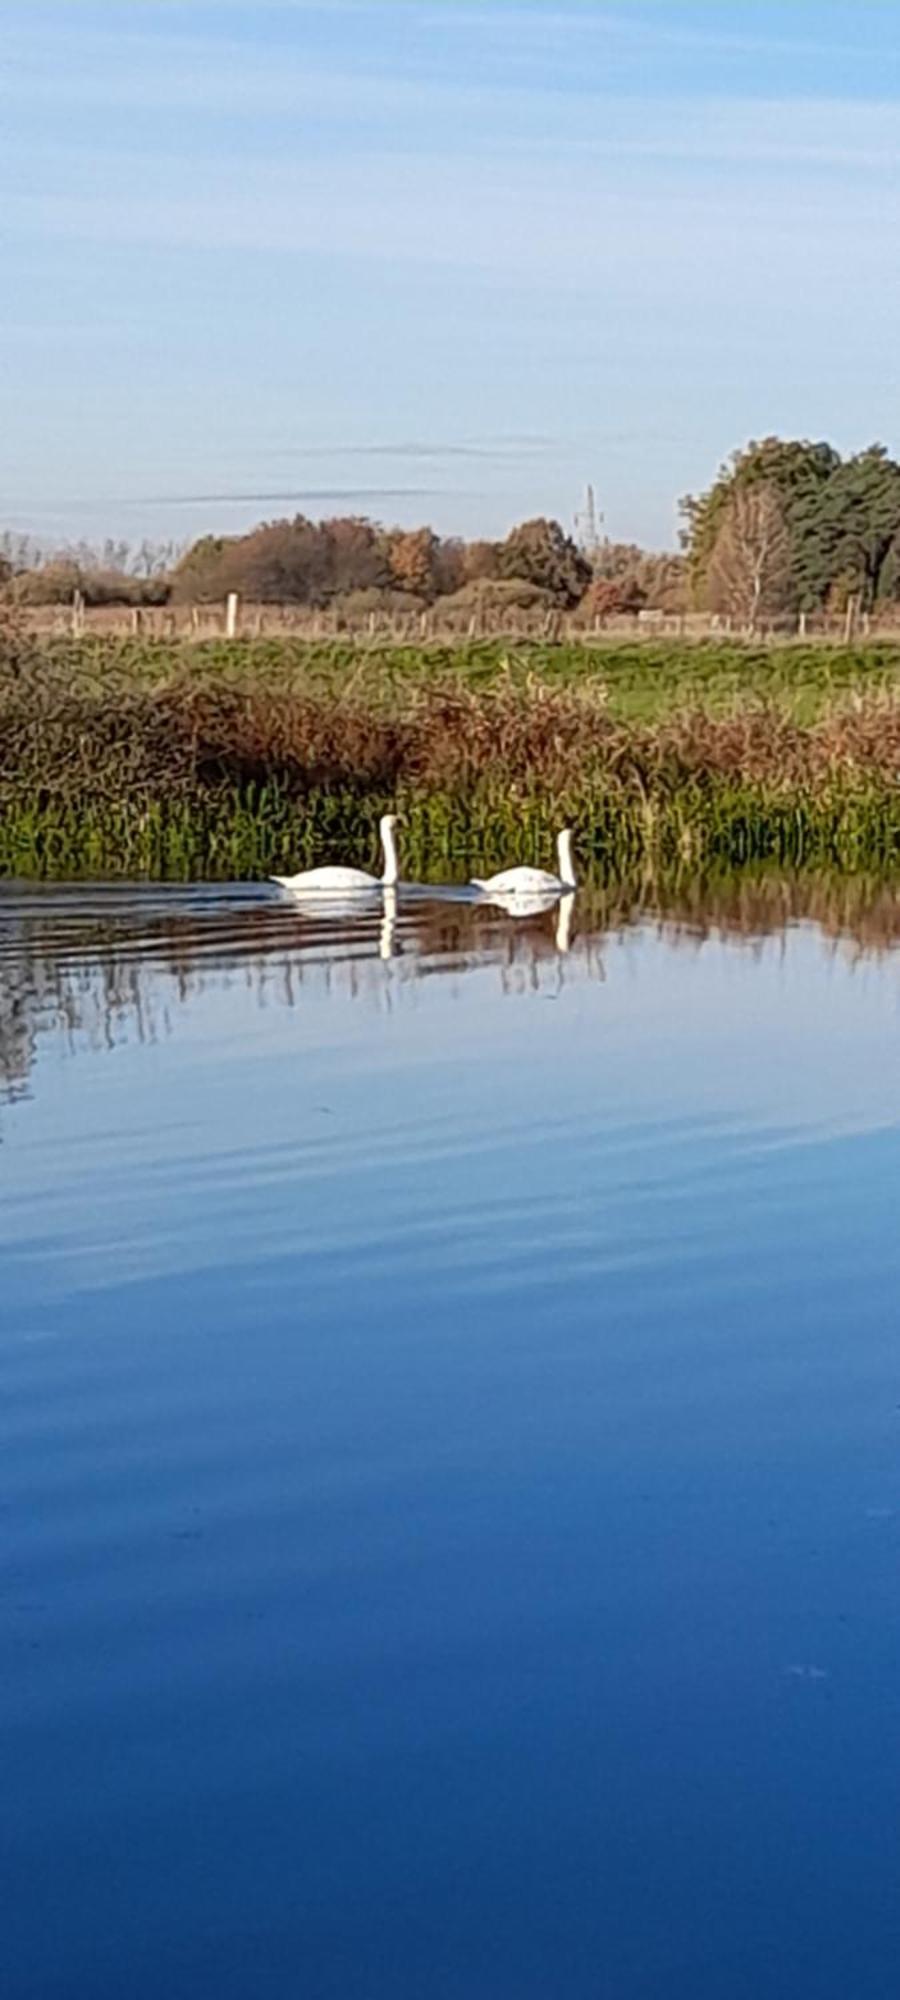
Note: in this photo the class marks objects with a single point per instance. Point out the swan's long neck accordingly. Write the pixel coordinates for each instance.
(566, 864)
(389, 845)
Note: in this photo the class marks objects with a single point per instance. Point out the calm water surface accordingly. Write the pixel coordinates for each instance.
(450, 1475)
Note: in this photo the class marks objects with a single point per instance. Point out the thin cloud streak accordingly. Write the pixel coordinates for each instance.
(548, 26)
(147, 68)
(288, 497)
(500, 454)
(487, 453)
(521, 226)
(512, 117)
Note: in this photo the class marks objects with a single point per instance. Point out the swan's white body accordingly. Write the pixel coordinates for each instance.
(348, 881)
(533, 881)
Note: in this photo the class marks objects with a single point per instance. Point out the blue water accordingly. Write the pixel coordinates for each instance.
(449, 1456)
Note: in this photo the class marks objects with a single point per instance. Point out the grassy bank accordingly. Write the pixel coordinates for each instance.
(643, 679)
(237, 760)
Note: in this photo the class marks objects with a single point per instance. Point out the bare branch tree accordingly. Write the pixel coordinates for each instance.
(750, 569)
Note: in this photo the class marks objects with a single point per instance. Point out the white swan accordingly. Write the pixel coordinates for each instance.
(532, 881)
(348, 881)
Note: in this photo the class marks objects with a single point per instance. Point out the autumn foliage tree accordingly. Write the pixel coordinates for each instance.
(356, 556)
(481, 562)
(787, 526)
(604, 598)
(658, 581)
(287, 562)
(411, 557)
(281, 564)
(448, 566)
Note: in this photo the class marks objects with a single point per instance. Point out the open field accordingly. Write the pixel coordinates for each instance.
(235, 759)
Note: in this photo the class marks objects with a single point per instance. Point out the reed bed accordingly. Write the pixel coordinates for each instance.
(150, 760)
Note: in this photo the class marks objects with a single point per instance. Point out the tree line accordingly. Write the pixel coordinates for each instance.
(790, 527)
(787, 528)
(355, 564)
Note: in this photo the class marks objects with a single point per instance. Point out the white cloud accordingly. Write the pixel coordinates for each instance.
(585, 25)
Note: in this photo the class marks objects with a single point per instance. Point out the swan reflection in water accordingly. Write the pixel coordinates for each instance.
(328, 908)
(516, 906)
(95, 965)
(535, 904)
(94, 968)
(519, 905)
(388, 932)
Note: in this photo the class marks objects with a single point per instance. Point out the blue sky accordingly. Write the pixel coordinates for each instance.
(436, 261)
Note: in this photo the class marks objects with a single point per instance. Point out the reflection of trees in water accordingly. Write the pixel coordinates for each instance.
(99, 976)
(96, 980)
(93, 1001)
(858, 914)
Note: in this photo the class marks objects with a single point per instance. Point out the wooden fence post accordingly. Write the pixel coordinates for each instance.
(231, 614)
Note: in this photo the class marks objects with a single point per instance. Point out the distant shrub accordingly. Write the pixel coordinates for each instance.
(57, 583)
(495, 594)
(54, 584)
(356, 604)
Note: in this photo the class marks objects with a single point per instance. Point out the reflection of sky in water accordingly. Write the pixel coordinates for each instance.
(450, 1459)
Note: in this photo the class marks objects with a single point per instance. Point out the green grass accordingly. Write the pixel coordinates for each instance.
(151, 759)
(644, 681)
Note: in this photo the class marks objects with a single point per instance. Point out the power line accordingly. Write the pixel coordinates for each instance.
(588, 525)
